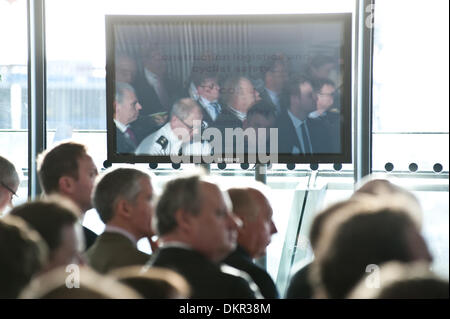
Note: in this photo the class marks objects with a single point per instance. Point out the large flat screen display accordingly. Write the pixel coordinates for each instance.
(229, 89)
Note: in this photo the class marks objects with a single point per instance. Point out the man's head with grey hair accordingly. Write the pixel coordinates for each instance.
(194, 212)
(184, 116)
(239, 93)
(123, 198)
(9, 182)
(255, 211)
(126, 105)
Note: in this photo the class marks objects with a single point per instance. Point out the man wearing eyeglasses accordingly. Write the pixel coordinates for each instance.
(9, 183)
(298, 133)
(326, 110)
(207, 95)
(175, 137)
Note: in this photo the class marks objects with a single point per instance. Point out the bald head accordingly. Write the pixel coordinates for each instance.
(256, 214)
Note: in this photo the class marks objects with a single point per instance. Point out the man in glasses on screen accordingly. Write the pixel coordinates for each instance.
(298, 133)
(207, 95)
(176, 136)
(9, 183)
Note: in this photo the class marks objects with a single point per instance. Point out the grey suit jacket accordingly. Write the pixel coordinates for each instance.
(113, 250)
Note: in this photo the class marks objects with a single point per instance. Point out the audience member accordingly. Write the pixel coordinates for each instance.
(9, 183)
(207, 92)
(297, 133)
(357, 239)
(275, 76)
(126, 111)
(68, 170)
(320, 67)
(153, 89)
(153, 282)
(401, 281)
(325, 91)
(253, 208)
(371, 185)
(23, 254)
(176, 137)
(123, 198)
(76, 283)
(299, 285)
(260, 117)
(197, 231)
(56, 220)
(238, 95)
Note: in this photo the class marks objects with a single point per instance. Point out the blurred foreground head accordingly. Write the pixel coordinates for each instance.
(402, 281)
(23, 254)
(362, 234)
(153, 282)
(76, 282)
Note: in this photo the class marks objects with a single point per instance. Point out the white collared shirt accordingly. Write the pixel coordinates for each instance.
(314, 115)
(275, 99)
(150, 145)
(240, 115)
(118, 230)
(122, 127)
(152, 78)
(209, 107)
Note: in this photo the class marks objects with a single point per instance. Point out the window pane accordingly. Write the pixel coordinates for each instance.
(410, 84)
(13, 88)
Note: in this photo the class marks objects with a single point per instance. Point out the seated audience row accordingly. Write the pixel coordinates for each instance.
(368, 246)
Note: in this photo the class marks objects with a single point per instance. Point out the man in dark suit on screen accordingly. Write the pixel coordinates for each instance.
(207, 92)
(197, 230)
(275, 76)
(297, 133)
(126, 111)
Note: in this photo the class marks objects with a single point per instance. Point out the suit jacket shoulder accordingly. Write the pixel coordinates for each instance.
(124, 144)
(206, 279)
(320, 133)
(287, 136)
(113, 250)
(299, 286)
(227, 119)
(241, 260)
(89, 237)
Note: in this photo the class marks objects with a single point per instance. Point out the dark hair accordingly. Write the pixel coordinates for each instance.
(180, 193)
(48, 218)
(423, 288)
(263, 108)
(115, 184)
(361, 240)
(153, 282)
(23, 253)
(61, 160)
(199, 77)
(319, 220)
